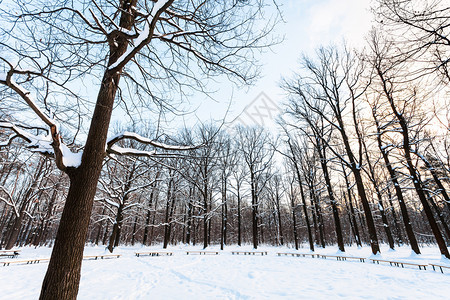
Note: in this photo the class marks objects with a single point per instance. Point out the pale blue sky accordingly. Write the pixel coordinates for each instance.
(308, 24)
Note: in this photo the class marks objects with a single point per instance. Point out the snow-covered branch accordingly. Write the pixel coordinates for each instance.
(49, 144)
(111, 146)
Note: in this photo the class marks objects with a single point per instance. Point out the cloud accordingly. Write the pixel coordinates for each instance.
(334, 20)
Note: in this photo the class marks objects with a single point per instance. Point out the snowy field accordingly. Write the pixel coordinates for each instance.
(227, 276)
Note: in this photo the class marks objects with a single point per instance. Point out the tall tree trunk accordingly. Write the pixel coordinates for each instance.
(375, 184)
(302, 194)
(398, 191)
(205, 194)
(386, 226)
(15, 229)
(356, 170)
(149, 207)
(333, 202)
(117, 226)
(223, 227)
(209, 218)
(398, 232)
(349, 216)
(49, 213)
(440, 217)
(239, 216)
(352, 209)
(314, 217)
(63, 273)
(100, 227)
(412, 170)
(294, 217)
(319, 214)
(134, 230)
(169, 204)
(189, 216)
(436, 178)
(254, 210)
(280, 227)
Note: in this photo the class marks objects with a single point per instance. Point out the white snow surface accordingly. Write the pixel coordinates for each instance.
(70, 159)
(227, 276)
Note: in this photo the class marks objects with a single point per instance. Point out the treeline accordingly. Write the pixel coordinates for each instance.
(362, 158)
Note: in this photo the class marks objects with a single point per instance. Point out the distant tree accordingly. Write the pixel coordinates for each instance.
(403, 102)
(294, 157)
(124, 178)
(256, 147)
(330, 86)
(276, 193)
(239, 174)
(21, 194)
(227, 162)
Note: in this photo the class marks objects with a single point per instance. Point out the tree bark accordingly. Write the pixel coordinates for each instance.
(398, 231)
(418, 186)
(302, 194)
(352, 210)
(337, 220)
(356, 170)
(254, 209)
(239, 216)
(117, 226)
(169, 205)
(294, 217)
(63, 273)
(398, 191)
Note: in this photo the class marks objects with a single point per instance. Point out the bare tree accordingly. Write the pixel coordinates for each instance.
(421, 30)
(52, 48)
(330, 87)
(402, 100)
(257, 151)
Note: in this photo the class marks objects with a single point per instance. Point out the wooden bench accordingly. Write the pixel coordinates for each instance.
(28, 261)
(249, 252)
(138, 254)
(342, 258)
(9, 253)
(203, 252)
(104, 256)
(439, 266)
(361, 259)
(300, 254)
(287, 254)
(399, 263)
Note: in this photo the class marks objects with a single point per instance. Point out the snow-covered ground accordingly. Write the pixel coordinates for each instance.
(227, 276)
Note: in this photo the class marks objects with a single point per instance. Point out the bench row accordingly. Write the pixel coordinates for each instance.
(138, 254)
(9, 253)
(313, 255)
(374, 260)
(38, 260)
